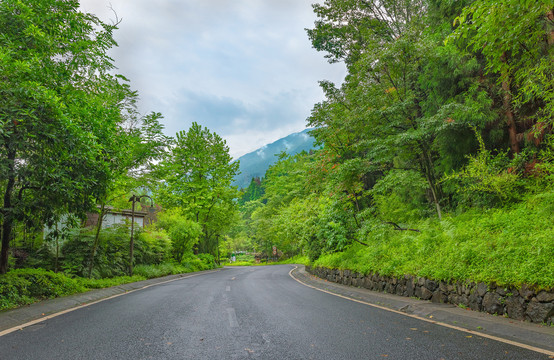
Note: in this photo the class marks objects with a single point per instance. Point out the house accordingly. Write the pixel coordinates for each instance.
(114, 216)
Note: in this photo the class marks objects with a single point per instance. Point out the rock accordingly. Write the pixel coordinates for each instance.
(459, 288)
(482, 289)
(515, 307)
(492, 303)
(439, 297)
(502, 291)
(454, 299)
(410, 286)
(544, 296)
(539, 312)
(400, 289)
(475, 301)
(443, 286)
(431, 285)
(526, 292)
(426, 294)
(421, 281)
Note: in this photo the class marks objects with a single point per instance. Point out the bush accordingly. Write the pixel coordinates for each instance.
(24, 286)
(199, 262)
(510, 246)
(152, 247)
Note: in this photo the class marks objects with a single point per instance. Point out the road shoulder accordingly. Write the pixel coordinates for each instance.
(512, 331)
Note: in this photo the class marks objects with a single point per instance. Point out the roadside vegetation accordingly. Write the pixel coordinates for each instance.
(436, 155)
(436, 152)
(74, 150)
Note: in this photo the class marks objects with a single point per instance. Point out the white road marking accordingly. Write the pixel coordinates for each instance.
(232, 318)
(492, 337)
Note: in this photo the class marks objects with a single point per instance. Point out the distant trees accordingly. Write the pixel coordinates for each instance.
(197, 178)
(446, 106)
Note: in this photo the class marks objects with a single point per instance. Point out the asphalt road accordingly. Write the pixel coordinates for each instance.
(243, 313)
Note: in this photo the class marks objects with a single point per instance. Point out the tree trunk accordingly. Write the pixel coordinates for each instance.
(550, 17)
(508, 110)
(57, 249)
(7, 223)
(427, 167)
(96, 239)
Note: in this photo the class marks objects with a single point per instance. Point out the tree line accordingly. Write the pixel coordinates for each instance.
(446, 107)
(72, 141)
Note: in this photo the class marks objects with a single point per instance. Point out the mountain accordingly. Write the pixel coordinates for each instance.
(256, 163)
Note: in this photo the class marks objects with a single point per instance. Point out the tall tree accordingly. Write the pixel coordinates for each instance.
(197, 178)
(516, 38)
(61, 111)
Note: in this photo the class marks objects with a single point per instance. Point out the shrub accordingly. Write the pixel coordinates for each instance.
(24, 286)
(510, 246)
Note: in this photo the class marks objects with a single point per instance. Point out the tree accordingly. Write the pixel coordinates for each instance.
(516, 38)
(197, 179)
(61, 111)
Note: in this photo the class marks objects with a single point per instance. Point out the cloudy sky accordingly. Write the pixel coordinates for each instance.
(243, 68)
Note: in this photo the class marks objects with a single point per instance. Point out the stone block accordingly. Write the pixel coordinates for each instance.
(539, 312)
(492, 303)
(475, 301)
(545, 296)
(482, 289)
(431, 285)
(515, 307)
(526, 292)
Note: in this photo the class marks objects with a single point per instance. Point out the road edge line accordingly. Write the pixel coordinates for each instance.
(454, 327)
(48, 317)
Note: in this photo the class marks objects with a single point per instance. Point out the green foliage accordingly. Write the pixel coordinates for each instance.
(182, 232)
(254, 191)
(508, 246)
(152, 247)
(24, 286)
(487, 179)
(108, 282)
(400, 196)
(199, 262)
(62, 111)
(197, 179)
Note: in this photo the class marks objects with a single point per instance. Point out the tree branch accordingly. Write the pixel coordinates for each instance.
(397, 227)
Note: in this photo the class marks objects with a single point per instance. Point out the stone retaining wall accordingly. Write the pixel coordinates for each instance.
(523, 303)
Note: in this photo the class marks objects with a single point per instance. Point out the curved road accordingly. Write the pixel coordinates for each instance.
(243, 313)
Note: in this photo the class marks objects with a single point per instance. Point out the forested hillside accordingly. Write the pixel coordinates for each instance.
(437, 150)
(256, 163)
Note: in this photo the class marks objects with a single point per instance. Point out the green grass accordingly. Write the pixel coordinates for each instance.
(26, 286)
(298, 259)
(510, 246)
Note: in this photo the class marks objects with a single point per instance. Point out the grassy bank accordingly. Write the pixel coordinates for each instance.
(299, 259)
(511, 246)
(26, 286)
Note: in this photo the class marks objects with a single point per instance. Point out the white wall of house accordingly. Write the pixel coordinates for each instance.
(118, 218)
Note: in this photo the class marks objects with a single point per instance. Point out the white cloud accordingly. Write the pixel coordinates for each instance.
(243, 68)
